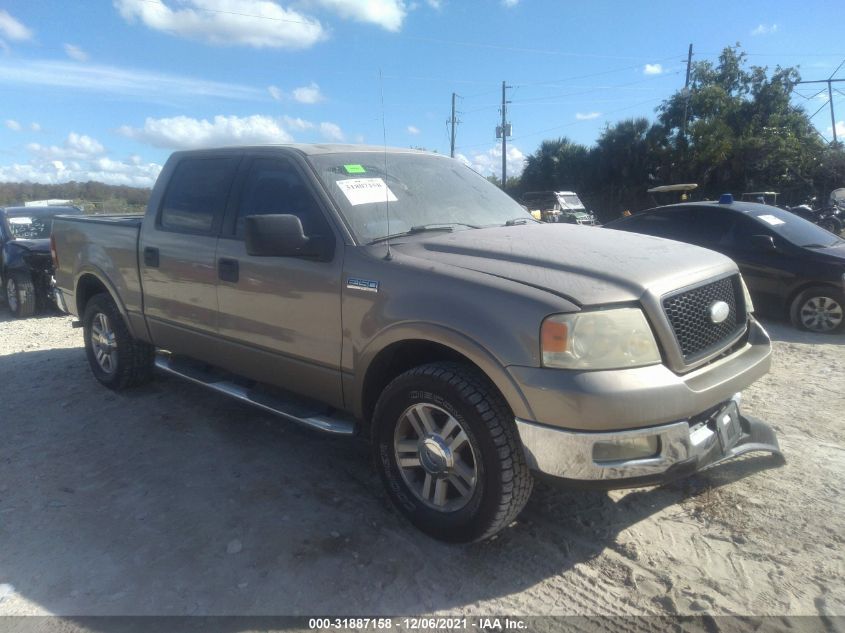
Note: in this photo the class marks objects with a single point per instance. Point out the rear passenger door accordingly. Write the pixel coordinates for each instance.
(177, 254)
(279, 317)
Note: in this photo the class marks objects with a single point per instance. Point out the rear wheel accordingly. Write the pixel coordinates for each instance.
(20, 295)
(819, 309)
(831, 224)
(117, 360)
(449, 453)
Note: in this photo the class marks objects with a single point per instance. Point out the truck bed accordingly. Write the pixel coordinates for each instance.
(105, 246)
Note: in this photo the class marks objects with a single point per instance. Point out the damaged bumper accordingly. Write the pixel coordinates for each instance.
(653, 455)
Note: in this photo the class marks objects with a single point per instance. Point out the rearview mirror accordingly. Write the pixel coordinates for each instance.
(763, 242)
(282, 236)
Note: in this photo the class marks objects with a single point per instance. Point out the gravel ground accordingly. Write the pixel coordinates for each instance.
(172, 500)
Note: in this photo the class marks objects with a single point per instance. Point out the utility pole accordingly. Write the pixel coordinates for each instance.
(829, 83)
(452, 150)
(686, 90)
(832, 116)
(504, 132)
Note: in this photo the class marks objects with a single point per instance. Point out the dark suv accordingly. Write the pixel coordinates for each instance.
(792, 267)
(26, 268)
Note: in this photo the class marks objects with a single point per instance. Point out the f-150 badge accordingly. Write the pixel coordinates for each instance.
(368, 285)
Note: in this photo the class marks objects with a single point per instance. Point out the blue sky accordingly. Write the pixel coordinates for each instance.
(105, 90)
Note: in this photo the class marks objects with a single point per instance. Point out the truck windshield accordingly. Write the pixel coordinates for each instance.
(573, 202)
(30, 227)
(420, 190)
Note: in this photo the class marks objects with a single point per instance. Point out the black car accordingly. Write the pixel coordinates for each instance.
(26, 267)
(792, 267)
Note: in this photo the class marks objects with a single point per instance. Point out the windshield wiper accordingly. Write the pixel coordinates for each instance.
(818, 245)
(424, 228)
(516, 221)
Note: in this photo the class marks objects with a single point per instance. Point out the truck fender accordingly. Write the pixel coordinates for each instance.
(446, 337)
(93, 271)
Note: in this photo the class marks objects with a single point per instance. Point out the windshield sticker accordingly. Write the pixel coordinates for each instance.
(366, 191)
(355, 169)
(771, 219)
(20, 220)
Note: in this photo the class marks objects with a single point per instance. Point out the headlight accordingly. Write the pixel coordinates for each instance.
(749, 305)
(604, 339)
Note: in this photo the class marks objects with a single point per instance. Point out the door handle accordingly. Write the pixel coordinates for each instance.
(227, 269)
(150, 257)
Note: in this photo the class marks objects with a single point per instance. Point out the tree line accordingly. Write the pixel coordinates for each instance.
(734, 130)
(95, 197)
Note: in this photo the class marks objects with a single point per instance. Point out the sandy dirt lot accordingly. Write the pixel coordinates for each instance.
(172, 500)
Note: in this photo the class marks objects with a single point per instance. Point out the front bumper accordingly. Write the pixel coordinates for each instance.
(59, 299)
(682, 448)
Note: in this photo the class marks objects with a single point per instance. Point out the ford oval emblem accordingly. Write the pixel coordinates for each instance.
(719, 311)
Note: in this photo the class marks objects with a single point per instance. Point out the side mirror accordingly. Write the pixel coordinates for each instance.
(763, 242)
(282, 236)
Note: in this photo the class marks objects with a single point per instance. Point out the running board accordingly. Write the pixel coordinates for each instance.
(294, 409)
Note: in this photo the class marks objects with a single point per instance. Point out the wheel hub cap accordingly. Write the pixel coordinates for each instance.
(435, 455)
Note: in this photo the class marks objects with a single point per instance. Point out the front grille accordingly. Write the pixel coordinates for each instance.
(689, 315)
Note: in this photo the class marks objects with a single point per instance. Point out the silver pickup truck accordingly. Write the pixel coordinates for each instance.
(398, 295)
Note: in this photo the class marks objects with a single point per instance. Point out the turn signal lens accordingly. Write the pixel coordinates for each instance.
(554, 336)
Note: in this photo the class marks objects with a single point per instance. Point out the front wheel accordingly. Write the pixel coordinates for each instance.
(449, 454)
(20, 295)
(819, 309)
(117, 360)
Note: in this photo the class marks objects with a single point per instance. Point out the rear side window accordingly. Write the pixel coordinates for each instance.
(197, 194)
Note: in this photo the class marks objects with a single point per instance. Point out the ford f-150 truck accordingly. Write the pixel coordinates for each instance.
(398, 295)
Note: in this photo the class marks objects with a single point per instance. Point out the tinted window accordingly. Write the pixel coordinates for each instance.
(273, 186)
(197, 194)
(793, 228)
(712, 226)
(673, 225)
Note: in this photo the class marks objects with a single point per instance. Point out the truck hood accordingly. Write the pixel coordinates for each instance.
(36, 246)
(585, 265)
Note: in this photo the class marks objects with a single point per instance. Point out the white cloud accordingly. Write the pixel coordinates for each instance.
(183, 132)
(13, 30)
(132, 172)
(587, 116)
(308, 94)
(80, 158)
(653, 69)
(413, 130)
(510, 3)
(138, 84)
(765, 29)
(331, 131)
(74, 52)
(76, 146)
(35, 127)
(255, 23)
(490, 162)
(297, 124)
(435, 4)
(388, 14)
(13, 125)
(840, 131)
(276, 93)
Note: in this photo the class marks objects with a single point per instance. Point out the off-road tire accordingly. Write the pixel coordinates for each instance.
(815, 292)
(25, 300)
(504, 482)
(134, 358)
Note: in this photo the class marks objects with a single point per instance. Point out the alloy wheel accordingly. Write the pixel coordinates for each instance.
(12, 294)
(104, 343)
(435, 457)
(821, 314)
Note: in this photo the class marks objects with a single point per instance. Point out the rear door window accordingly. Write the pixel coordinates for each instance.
(197, 195)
